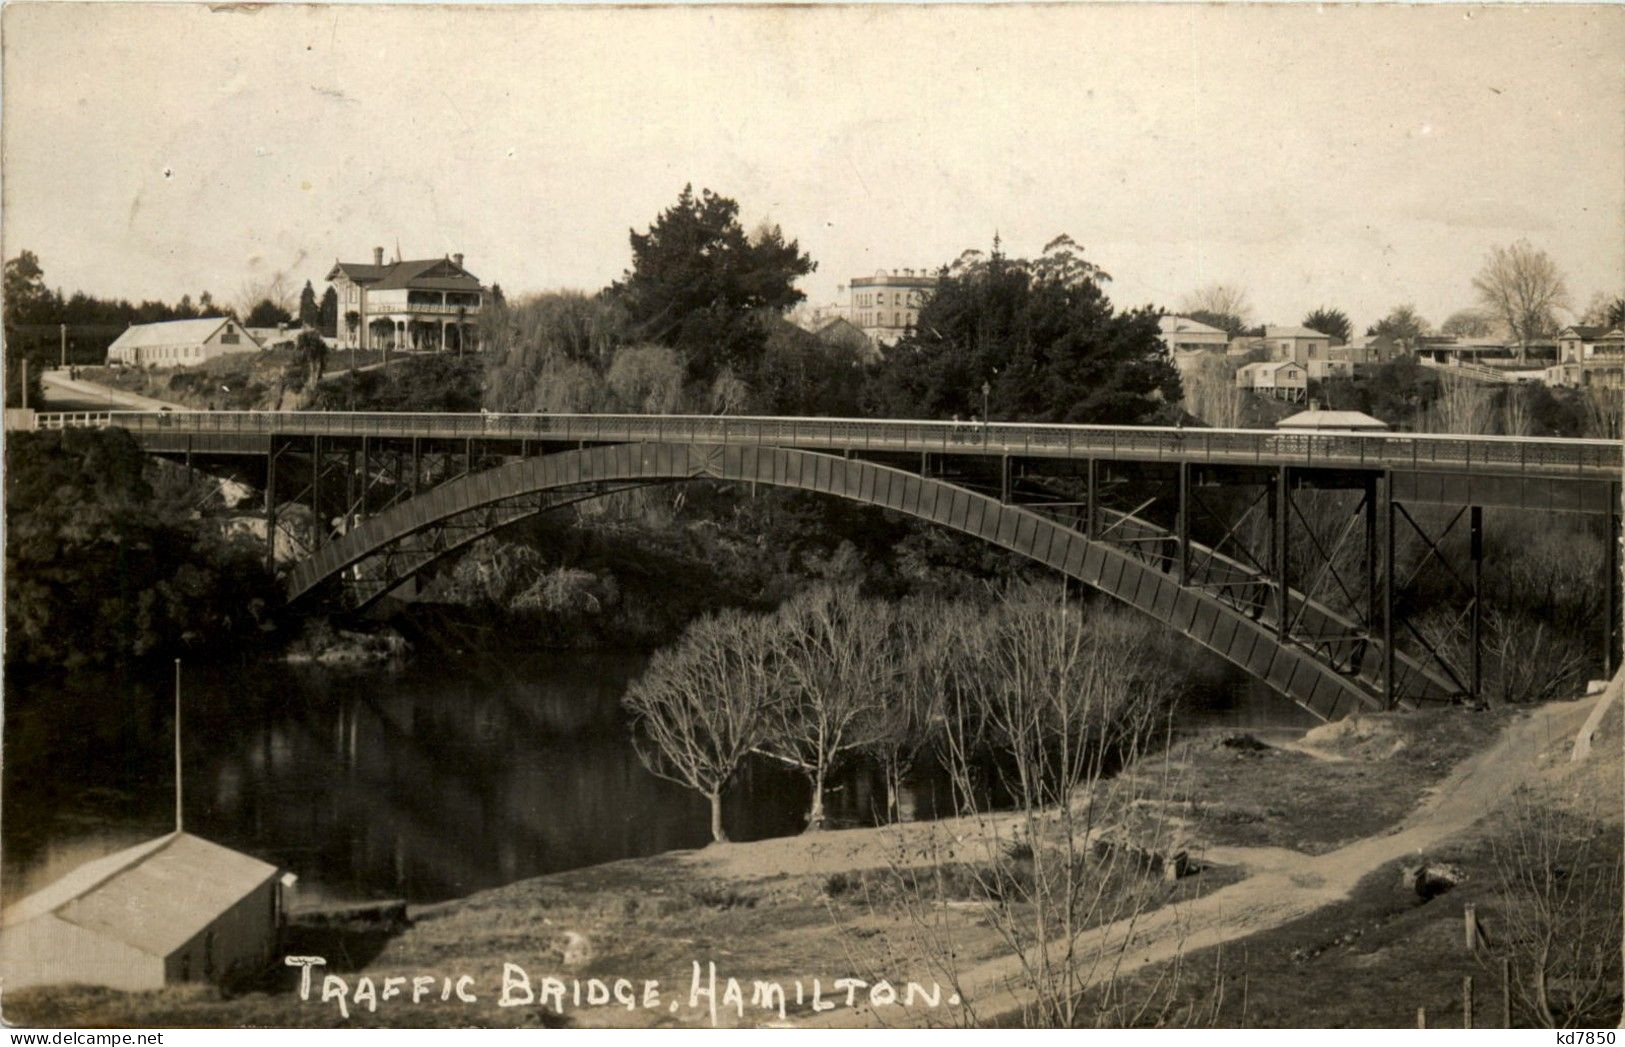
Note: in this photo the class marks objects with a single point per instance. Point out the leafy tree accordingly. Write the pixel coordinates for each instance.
(267, 313)
(105, 564)
(26, 295)
(1522, 287)
(1403, 324)
(313, 353)
(327, 317)
(433, 382)
(802, 374)
(1334, 322)
(310, 314)
(698, 283)
(1040, 334)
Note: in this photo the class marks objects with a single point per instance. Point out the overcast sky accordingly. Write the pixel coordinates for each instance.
(1353, 157)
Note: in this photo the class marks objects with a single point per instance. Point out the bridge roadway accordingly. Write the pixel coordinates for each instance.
(1522, 472)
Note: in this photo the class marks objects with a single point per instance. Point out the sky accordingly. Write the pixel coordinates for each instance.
(1351, 157)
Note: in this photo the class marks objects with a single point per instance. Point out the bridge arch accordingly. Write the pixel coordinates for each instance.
(486, 501)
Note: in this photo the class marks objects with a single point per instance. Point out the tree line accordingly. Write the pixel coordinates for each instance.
(833, 676)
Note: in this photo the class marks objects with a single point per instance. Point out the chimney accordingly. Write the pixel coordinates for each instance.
(457, 259)
(377, 256)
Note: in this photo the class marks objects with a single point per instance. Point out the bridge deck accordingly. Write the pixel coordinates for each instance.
(1528, 457)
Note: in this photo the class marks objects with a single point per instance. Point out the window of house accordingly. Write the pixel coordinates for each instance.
(229, 338)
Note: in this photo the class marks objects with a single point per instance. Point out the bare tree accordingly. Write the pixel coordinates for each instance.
(275, 288)
(1559, 885)
(1224, 302)
(1209, 384)
(1067, 698)
(1472, 323)
(908, 719)
(703, 704)
(1464, 406)
(1603, 410)
(1517, 417)
(835, 652)
(1523, 288)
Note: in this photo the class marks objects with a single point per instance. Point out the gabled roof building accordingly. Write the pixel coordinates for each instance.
(172, 909)
(424, 304)
(180, 343)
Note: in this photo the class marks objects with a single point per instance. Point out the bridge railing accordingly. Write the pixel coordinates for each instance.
(1226, 446)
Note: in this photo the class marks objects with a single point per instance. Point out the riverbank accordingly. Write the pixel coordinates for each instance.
(1281, 833)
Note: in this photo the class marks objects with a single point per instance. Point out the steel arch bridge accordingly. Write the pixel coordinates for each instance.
(1221, 534)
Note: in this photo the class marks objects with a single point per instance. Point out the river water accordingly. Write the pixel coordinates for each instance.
(421, 782)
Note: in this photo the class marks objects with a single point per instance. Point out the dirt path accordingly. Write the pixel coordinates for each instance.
(1283, 884)
(83, 391)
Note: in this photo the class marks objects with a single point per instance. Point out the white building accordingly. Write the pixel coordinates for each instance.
(1298, 344)
(1281, 379)
(173, 909)
(1181, 334)
(428, 303)
(887, 305)
(1589, 356)
(180, 343)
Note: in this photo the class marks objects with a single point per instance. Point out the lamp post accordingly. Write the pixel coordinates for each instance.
(986, 389)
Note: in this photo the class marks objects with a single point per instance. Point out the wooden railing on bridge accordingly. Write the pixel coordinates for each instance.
(1490, 454)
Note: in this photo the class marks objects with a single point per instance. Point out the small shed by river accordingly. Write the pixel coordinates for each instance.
(173, 909)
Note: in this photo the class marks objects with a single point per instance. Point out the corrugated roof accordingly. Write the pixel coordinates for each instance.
(155, 896)
(1319, 419)
(1185, 325)
(169, 332)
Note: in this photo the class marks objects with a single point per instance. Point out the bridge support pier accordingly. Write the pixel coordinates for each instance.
(1611, 587)
(1281, 517)
(270, 506)
(1090, 528)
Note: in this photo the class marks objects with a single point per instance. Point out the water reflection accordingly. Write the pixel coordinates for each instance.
(423, 783)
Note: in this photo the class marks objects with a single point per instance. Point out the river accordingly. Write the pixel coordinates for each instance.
(423, 782)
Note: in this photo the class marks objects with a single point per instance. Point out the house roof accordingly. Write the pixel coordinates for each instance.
(1293, 331)
(1269, 365)
(1593, 332)
(423, 274)
(1185, 325)
(1316, 418)
(155, 896)
(170, 332)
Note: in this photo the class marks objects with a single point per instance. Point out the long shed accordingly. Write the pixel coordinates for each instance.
(173, 909)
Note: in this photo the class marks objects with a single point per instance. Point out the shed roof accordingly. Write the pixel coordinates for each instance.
(1185, 325)
(155, 896)
(170, 332)
(1269, 365)
(1316, 418)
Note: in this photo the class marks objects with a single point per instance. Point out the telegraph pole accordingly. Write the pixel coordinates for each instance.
(63, 361)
